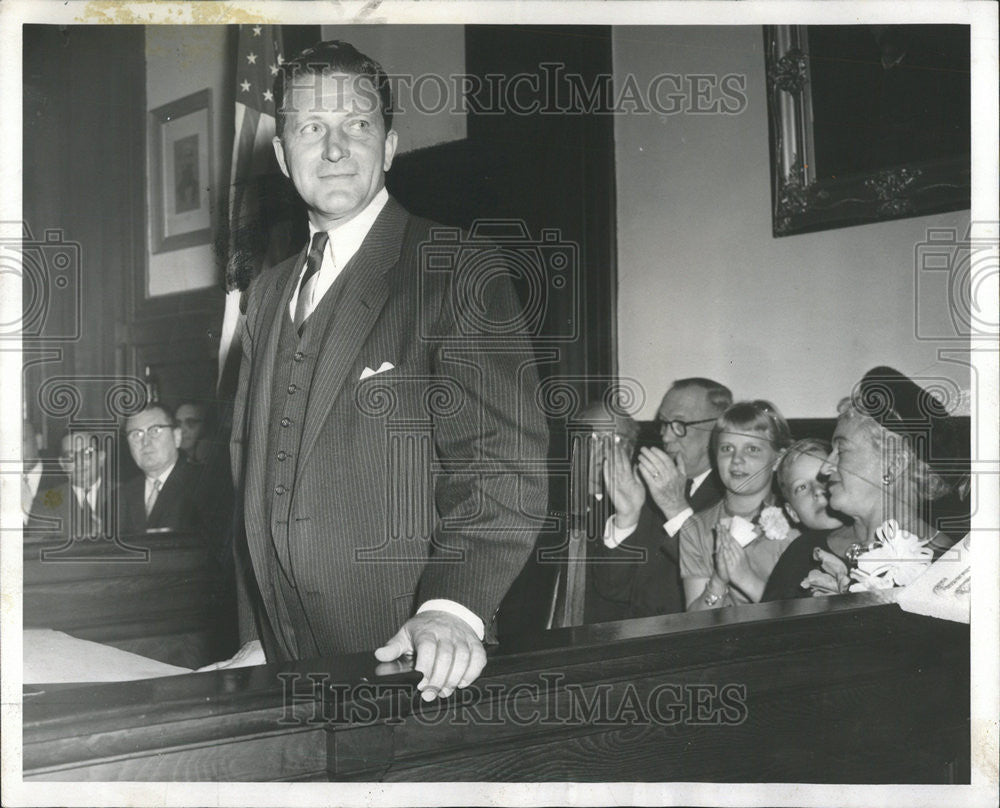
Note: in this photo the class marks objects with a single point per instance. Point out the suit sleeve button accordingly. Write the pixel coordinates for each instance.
(282, 455)
(292, 388)
(279, 490)
(298, 356)
(286, 421)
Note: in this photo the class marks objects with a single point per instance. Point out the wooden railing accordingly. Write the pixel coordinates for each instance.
(814, 690)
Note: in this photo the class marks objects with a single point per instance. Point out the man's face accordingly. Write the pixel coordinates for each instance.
(153, 453)
(334, 146)
(81, 459)
(689, 404)
(191, 420)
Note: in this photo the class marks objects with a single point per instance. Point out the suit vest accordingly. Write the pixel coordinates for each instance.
(294, 366)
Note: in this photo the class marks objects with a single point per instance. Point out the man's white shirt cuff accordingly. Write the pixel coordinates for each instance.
(614, 535)
(456, 609)
(673, 526)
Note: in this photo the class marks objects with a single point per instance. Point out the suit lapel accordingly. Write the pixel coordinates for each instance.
(708, 493)
(365, 291)
(165, 499)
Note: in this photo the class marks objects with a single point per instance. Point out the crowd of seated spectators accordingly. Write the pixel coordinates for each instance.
(726, 510)
(774, 519)
(175, 479)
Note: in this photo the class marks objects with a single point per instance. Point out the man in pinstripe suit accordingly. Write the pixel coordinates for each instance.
(387, 448)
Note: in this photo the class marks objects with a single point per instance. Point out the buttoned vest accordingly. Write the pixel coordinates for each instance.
(294, 366)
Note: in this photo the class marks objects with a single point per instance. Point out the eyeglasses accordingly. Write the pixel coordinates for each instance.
(154, 431)
(680, 428)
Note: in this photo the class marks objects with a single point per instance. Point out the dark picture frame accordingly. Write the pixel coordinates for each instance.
(866, 123)
(180, 173)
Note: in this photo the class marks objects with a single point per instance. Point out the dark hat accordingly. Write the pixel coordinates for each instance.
(900, 405)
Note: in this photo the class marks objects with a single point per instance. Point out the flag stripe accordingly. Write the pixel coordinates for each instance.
(258, 55)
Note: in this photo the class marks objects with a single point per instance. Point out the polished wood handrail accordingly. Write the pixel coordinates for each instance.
(348, 722)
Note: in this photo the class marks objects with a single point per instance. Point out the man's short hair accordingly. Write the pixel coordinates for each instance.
(718, 395)
(171, 419)
(332, 56)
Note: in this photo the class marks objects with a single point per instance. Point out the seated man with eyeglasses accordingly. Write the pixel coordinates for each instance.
(652, 500)
(77, 506)
(165, 496)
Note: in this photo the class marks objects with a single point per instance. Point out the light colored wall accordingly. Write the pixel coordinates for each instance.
(181, 60)
(703, 287)
(409, 52)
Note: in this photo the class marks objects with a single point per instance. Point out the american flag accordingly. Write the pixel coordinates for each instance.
(258, 206)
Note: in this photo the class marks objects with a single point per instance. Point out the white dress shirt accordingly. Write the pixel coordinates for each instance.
(161, 477)
(87, 496)
(344, 242)
(614, 535)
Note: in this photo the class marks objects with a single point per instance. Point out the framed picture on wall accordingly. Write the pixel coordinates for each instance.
(867, 123)
(180, 171)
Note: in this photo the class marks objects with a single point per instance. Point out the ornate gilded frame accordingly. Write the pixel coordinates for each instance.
(801, 203)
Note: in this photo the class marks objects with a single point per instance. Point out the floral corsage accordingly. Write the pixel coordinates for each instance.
(774, 524)
(895, 558)
(770, 523)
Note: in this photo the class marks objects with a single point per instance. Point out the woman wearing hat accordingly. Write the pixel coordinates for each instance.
(889, 436)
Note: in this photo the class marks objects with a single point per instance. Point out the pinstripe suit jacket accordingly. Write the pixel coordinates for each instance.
(426, 481)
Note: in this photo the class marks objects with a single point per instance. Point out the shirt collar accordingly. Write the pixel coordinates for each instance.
(697, 481)
(162, 476)
(346, 238)
(83, 493)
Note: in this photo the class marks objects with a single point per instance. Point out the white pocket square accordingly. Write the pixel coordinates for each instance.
(381, 369)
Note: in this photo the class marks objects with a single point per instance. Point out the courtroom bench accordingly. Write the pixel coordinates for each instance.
(841, 689)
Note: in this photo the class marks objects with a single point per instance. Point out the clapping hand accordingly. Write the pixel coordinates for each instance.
(731, 562)
(666, 479)
(624, 486)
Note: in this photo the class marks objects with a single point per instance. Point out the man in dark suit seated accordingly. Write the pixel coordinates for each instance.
(636, 569)
(78, 504)
(165, 496)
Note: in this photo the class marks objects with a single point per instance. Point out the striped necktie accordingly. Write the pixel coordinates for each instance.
(304, 305)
